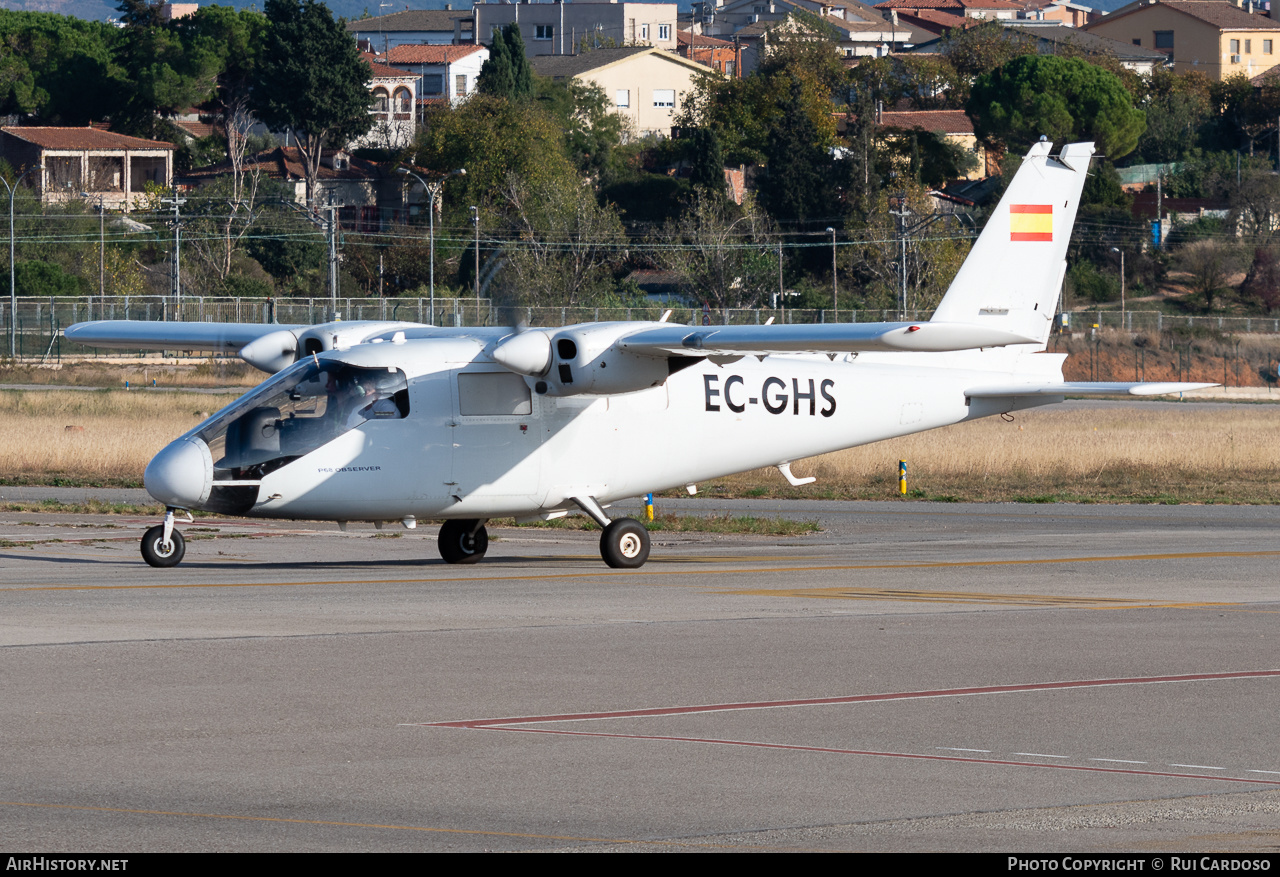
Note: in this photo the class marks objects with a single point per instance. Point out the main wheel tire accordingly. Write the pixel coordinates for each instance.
(458, 544)
(624, 544)
(157, 553)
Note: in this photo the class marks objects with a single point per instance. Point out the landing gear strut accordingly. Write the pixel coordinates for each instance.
(163, 545)
(463, 541)
(624, 544)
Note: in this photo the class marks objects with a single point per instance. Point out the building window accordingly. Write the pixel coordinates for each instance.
(664, 32)
(381, 103)
(622, 98)
(1164, 39)
(460, 85)
(403, 105)
(729, 69)
(644, 31)
(1235, 49)
(1137, 42)
(544, 32)
(433, 83)
(664, 97)
(1266, 47)
(1248, 47)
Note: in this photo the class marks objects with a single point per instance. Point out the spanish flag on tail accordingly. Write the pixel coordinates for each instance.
(1030, 222)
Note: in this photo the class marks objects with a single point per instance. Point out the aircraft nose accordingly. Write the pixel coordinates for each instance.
(181, 475)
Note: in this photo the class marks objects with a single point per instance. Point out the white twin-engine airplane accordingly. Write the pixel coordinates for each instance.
(400, 422)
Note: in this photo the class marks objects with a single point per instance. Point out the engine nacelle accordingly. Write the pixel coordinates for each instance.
(582, 360)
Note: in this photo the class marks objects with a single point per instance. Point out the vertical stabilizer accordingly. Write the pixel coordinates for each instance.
(1013, 275)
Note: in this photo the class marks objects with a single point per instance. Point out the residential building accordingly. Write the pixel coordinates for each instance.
(109, 168)
(561, 28)
(393, 105)
(954, 126)
(370, 196)
(444, 72)
(1001, 10)
(1053, 38)
(1214, 37)
(1061, 11)
(861, 30)
(646, 85)
(720, 55)
(413, 27)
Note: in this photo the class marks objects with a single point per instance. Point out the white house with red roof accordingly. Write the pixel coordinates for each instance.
(110, 168)
(444, 72)
(393, 104)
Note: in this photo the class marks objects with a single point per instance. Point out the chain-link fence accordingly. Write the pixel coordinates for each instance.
(38, 323)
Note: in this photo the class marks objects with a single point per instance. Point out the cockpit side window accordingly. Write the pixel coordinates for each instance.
(310, 407)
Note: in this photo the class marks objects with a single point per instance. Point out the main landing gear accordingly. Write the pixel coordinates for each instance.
(163, 545)
(624, 544)
(463, 541)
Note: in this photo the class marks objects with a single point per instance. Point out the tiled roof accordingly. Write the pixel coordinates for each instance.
(573, 65)
(285, 163)
(196, 129)
(423, 54)
(997, 5)
(1222, 14)
(941, 121)
(82, 138)
(936, 20)
(411, 20)
(684, 38)
(1090, 43)
(382, 71)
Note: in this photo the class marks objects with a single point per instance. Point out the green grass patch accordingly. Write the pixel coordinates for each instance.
(672, 523)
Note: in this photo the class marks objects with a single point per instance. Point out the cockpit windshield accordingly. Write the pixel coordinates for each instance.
(305, 407)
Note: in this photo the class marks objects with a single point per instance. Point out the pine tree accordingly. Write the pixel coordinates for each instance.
(507, 72)
(707, 173)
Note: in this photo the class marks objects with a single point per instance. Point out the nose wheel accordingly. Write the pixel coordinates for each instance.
(163, 545)
(158, 551)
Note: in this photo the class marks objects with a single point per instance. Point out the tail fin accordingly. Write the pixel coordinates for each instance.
(1013, 275)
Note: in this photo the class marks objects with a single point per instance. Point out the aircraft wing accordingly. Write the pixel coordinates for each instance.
(1082, 388)
(815, 338)
(151, 335)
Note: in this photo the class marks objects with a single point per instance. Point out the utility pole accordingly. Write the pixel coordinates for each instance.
(901, 215)
(475, 221)
(835, 290)
(332, 229)
(175, 282)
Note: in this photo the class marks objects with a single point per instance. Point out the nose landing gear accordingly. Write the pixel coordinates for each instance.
(163, 545)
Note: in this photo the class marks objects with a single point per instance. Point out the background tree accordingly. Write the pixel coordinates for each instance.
(797, 188)
(311, 81)
(507, 72)
(724, 255)
(1209, 262)
(707, 174)
(1064, 99)
(592, 130)
(565, 245)
(981, 49)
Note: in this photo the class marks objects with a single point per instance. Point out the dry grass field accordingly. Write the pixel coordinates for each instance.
(1144, 452)
(92, 437)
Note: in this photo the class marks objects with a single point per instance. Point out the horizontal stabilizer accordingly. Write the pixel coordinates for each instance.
(1083, 388)
(151, 335)
(815, 338)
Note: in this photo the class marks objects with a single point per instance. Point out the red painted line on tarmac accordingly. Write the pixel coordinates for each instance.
(905, 755)
(858, 698)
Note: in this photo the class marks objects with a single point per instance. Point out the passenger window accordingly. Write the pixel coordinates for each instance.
(493, 393)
